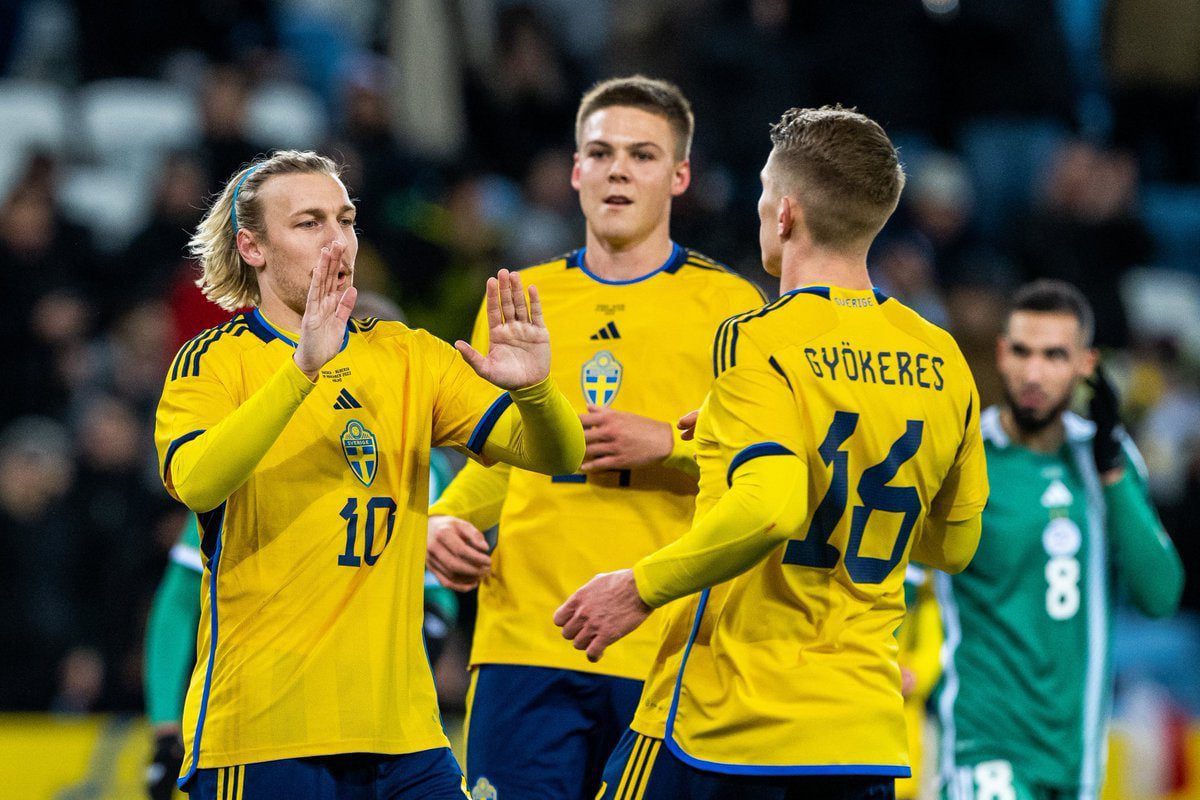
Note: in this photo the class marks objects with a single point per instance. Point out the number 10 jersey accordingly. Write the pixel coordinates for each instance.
(790, 668)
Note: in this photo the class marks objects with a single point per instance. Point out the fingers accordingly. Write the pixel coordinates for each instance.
(318, 278)
(601, 464)
(688, 420)
(596, 648)
(346, 304)
(596, 434)
(495, 318)
(535, 307)
(336, 250)
(472, 356)
(565, 611)
(507, 306)
(521, 313)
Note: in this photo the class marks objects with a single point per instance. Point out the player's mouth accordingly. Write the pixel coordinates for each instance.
(617, 200)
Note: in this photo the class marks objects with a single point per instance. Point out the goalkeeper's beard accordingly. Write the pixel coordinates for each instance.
(1028, 420)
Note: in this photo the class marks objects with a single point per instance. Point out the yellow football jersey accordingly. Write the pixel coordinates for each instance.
(641, 346)
(790, 668)
(310, 631)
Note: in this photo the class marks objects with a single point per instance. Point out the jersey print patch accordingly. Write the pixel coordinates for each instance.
(361, 449)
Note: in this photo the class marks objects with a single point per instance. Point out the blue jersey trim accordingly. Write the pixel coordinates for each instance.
(570, 478)
(755, 451)
(175, 445)
(483, 428)
(798, 770)
(278, 334)
(214, 563)
(674, 262)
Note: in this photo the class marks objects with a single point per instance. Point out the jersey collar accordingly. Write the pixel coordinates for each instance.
(268, 331)
(673, 263)
(826, 292)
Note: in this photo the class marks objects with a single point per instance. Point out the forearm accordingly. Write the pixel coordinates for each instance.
(1148, 563)
(171, 643)
(544, 436)
(476, 495)
(203, 471)
(765, 506)
(948, 546)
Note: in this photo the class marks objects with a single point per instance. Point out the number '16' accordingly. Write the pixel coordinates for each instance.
(349, 513)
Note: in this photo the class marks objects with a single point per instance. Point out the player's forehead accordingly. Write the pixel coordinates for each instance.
(622, 126)
(1044, 329)
(288, 195)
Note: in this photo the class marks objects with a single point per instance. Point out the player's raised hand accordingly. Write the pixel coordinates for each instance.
(604, 610)
(518, 342)
(687, 424)
(326, 312)
(620, 440)
(456, 553)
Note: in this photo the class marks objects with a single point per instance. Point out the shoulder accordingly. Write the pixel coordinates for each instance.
(559, 265)
(697, 265)
(918, 327)
(390, 333)
(212, 346)
(791, 319)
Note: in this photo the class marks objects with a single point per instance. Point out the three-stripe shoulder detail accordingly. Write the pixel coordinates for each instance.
(364, 325)
(726, 341)
(701, 261)
(187, 361)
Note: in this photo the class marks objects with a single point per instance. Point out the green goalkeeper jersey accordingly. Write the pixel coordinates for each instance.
(1026, 690)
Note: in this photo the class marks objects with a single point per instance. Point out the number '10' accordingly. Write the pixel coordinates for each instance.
(349, 513)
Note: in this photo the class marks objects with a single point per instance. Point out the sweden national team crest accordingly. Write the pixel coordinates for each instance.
(484, 790)
(361, 449)
(601, 379)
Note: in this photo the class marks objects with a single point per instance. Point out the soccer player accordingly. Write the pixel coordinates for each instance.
(1025, 698)
(840, 436)
(632, 315)
(171, 638)
(301, 439)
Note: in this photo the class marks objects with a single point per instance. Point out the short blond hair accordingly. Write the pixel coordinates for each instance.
(648, 94)
(226, 279)
(841, 168)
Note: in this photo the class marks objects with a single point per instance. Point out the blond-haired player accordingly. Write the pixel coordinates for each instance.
(301, 438)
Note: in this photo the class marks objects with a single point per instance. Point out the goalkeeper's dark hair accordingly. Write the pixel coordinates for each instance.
(1050, 296)
(648, 94)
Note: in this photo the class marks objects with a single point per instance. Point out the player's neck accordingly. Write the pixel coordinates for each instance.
(277, 312)
(825, 268)
(626, 262)
(1046, 440)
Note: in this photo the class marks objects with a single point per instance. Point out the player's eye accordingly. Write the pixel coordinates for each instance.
(308, 223)
(643, 155)
(597, 153)
(346, 221)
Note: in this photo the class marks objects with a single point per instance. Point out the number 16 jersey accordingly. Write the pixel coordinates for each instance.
(790, 668)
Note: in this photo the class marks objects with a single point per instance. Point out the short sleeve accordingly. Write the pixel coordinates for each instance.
(751, 412)
(465, 406)
(964, 491)
(196, 396)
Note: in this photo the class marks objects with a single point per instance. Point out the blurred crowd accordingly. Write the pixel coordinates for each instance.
(1042, 138)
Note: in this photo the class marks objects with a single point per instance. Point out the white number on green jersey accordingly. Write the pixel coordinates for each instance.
(1062, 539)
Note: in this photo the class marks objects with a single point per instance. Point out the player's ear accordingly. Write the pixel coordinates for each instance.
(788, 214)
(575, 172)
(250, 250)
(682, 178)
(1091, 357)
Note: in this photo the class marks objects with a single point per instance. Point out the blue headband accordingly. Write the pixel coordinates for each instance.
(236, 189)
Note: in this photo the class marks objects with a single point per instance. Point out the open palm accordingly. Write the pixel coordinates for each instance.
(323, 326)
(518, 342)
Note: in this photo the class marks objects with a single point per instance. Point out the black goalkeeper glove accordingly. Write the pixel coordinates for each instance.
(1105, 411)
(164, 767)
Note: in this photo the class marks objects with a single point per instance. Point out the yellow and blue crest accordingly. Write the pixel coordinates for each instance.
(361, 449)
(601, 378)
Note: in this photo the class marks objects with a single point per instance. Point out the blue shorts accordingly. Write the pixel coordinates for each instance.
(645, 769)
(535, 733)
(427, 775)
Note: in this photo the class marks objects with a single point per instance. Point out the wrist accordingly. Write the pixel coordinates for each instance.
(312, 375)
(535, 392)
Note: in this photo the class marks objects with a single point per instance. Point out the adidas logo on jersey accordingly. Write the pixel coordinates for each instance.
(1057, 495)
(609, 331)
(346, 401)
